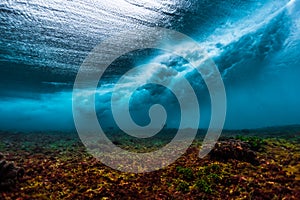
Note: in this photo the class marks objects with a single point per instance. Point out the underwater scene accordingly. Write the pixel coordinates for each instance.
(149, 99)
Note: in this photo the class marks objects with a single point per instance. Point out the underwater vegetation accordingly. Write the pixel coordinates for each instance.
(57, 166)
(256, 143)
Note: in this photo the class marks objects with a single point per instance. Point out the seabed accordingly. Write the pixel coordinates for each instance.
(245, 164)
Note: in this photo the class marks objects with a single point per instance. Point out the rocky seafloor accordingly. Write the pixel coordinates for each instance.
(247, 164)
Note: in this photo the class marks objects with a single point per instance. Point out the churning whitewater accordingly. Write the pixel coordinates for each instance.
(255, 45)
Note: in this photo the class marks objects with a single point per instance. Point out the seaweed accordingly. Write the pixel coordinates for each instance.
(63, 169)
(256, 143)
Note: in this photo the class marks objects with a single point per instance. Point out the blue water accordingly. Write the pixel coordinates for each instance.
(255, 44)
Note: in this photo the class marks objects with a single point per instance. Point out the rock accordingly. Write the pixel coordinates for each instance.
(9, 173)
(234, 149)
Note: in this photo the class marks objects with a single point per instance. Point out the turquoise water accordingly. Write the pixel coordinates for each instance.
(255, 45)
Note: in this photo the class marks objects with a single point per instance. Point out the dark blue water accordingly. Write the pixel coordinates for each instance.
(255, 44)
